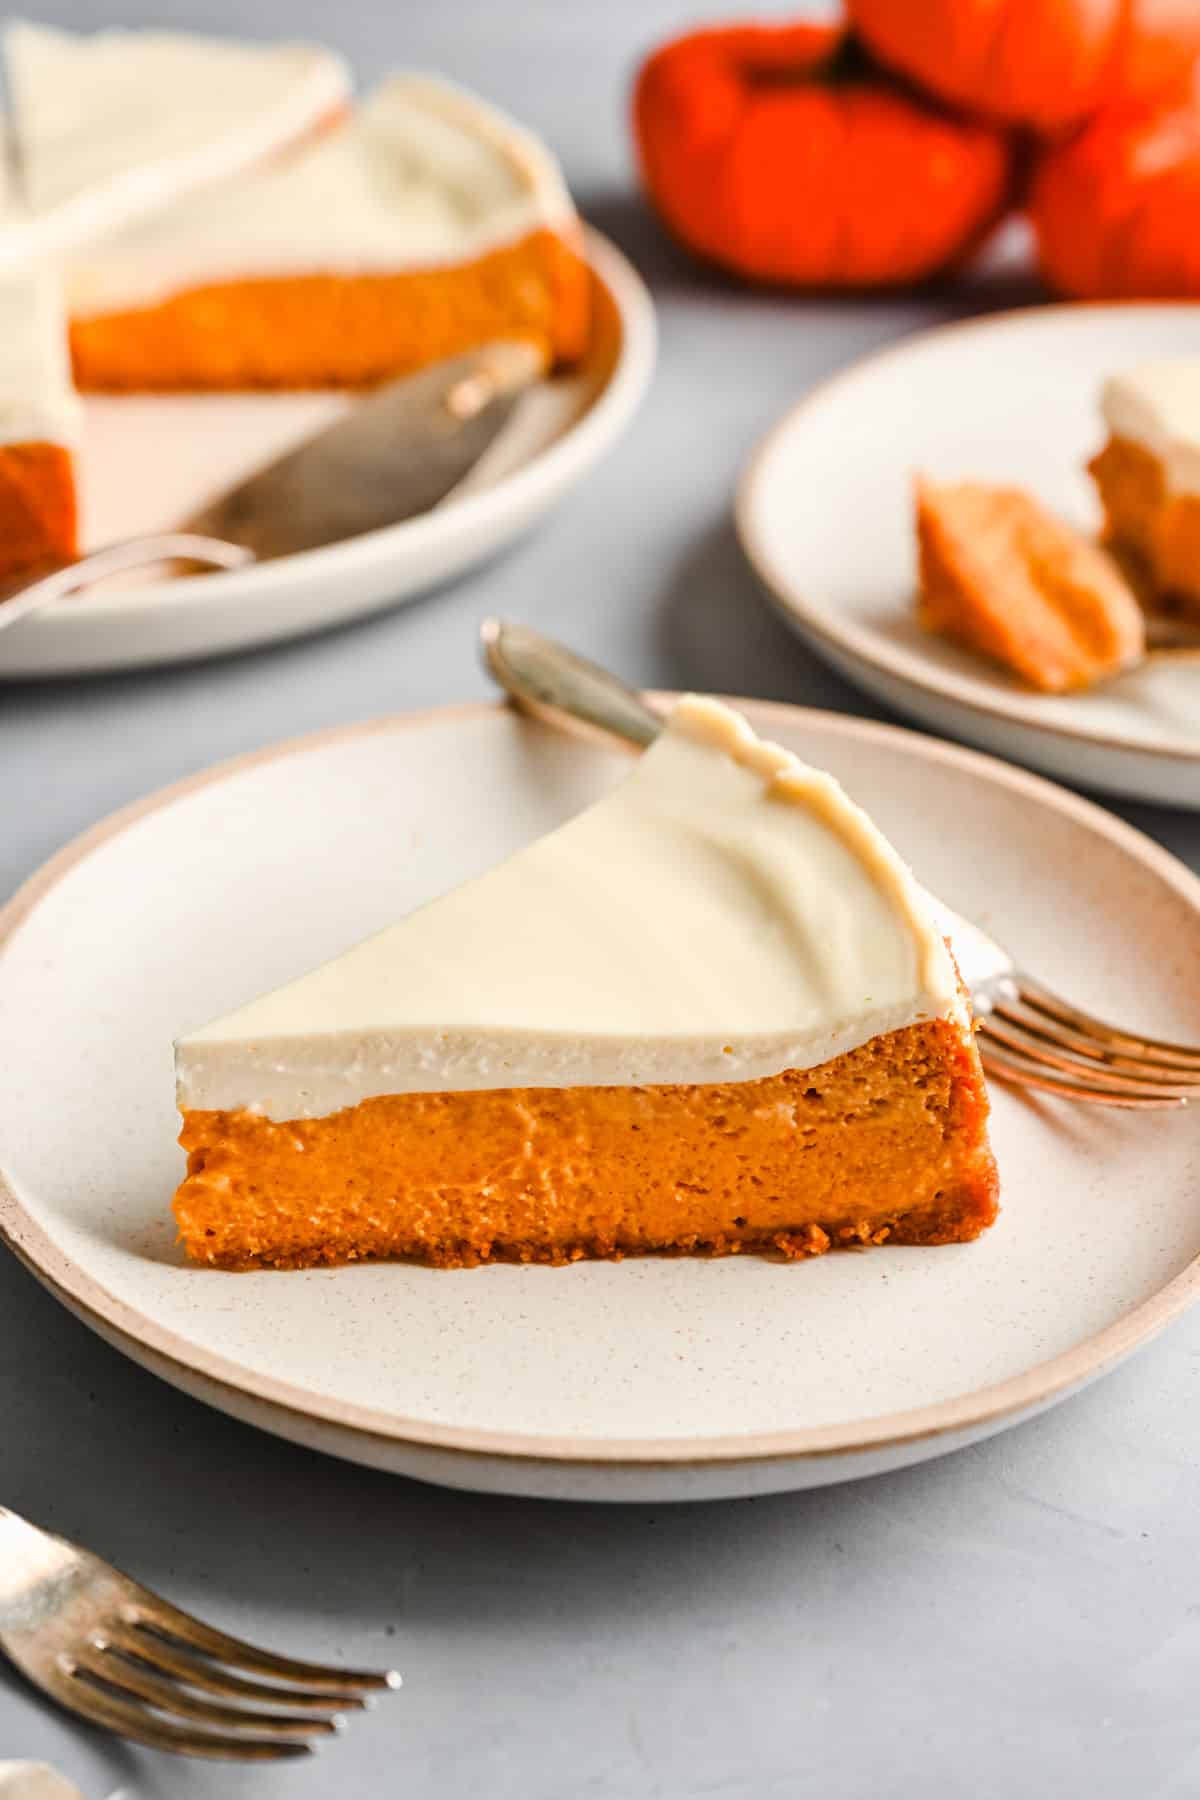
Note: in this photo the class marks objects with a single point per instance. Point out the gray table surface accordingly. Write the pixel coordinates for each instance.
(1019, 1620)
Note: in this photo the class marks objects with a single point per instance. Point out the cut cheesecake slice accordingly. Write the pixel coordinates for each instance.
(113, 125)
(1002, 575)
(40, 425)
(1148, 475)
(711, 1013)
(416, 228)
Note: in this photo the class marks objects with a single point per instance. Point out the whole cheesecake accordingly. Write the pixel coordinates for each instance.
(712, 1013)
(187, 212)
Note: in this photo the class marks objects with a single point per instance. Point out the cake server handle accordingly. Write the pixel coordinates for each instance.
(115, 559)
(546, 679)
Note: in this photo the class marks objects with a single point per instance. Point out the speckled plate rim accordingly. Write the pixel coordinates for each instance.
(822, 623)
(215, 1377)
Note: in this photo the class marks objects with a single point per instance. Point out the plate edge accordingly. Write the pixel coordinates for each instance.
(88, 1299)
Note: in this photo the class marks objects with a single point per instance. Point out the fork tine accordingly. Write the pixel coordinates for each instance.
(1098, 1073)
(1100, 1053)
(167, 1697)
(1046, 1001)
(160, 1657)
(149, 1613)
(998, 1060)
(135, 1722)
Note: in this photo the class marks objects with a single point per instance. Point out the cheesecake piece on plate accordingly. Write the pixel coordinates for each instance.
(712, 1013)
(1002, 575)
(1148, 474)
(40, 425)
(419, 226)
(112, 125)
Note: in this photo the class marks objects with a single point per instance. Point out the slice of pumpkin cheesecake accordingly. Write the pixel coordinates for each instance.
(711, 1013)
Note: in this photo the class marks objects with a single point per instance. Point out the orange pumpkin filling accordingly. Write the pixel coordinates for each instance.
(1157, 530)
(330, 330)
(884, 1143)
(1001, 575)
(37, 506)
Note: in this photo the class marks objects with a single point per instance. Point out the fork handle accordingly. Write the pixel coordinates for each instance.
(553, 683)
(26, 1553)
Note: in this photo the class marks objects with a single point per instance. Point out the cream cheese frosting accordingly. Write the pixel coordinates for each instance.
(1157, 405)
(422, 175)
(38, 403)
(112, 125)
(724, 913)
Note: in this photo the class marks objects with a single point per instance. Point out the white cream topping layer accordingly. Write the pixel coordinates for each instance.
(38, 403)
(422, 175)
(723, 914)
(1158, 406)
(113, 125)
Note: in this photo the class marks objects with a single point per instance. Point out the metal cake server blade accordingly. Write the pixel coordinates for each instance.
(396, 453)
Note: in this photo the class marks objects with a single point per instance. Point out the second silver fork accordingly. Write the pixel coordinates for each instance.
(123, 1658)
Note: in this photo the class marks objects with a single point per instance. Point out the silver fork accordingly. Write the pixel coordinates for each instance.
(113, 1652)
(1028, 1035)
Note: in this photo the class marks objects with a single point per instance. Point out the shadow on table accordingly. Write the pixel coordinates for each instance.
(328, 1560)
(719, 634)
(624, 215)
(196, 1504)
(230, 1521)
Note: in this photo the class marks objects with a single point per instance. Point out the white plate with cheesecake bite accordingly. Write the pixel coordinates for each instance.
(825, 514)
(649, 1378)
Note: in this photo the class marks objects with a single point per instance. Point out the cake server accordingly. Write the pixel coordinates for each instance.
(395, 454)
(1028, 1035)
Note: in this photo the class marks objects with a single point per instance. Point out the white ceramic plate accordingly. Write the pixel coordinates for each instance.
(149, 461)
(825, 515)
(652, 1378)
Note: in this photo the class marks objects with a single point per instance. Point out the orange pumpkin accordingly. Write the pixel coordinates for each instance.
(1117, 210)
(1045, 63)
(776, 152)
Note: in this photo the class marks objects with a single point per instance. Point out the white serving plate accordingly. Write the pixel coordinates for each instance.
(825, 514)
(657, 1378)
(150, 460)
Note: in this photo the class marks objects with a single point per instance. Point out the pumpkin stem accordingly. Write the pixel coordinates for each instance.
(788, 59)
(850, 62)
